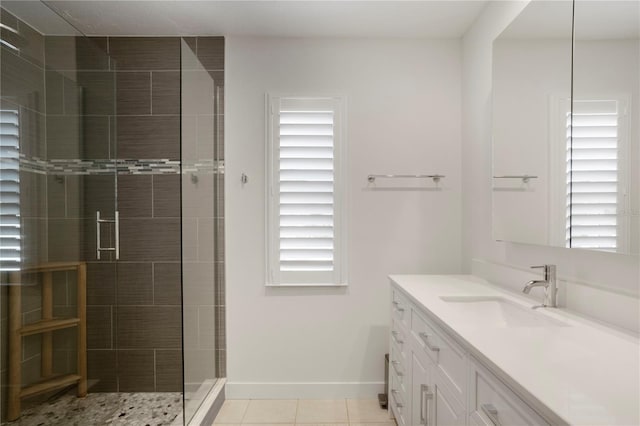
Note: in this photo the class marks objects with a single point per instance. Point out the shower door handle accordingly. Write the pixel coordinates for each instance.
(117, 236)
(116, 222)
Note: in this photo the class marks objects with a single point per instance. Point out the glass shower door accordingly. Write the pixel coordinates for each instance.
(57, 172)
(90, 181)
(200, 104)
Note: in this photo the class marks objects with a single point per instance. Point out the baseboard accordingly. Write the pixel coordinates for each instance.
(304, 390)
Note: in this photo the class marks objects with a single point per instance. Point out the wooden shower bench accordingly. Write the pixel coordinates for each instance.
(45, 327)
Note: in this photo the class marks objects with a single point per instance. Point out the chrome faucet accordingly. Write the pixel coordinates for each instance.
(549, 284)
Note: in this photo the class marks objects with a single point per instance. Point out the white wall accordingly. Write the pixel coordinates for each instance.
(612, 274)
(403, 116)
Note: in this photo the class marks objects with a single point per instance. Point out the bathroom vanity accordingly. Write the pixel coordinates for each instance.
(463, 351)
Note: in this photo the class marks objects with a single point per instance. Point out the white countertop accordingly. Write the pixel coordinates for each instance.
(580, 374)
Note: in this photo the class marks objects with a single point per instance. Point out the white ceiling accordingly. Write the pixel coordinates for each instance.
(341, 18)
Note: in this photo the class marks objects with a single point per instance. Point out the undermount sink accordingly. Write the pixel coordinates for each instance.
(498, 312)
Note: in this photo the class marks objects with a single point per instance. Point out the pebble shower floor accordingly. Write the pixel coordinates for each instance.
(131, 409)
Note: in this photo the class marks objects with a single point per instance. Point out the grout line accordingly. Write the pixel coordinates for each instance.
(151, 92)
(153, 194)
(153, 278)
(347, 408)
(155, 369)
(109, 135)
(64, 98)
(66, 197)
(112, 326)
(244, 413)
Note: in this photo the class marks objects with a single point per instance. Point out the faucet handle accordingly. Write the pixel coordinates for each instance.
(549, 271)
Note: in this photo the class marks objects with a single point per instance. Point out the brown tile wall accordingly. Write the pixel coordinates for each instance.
(136, 312)
(134, 304)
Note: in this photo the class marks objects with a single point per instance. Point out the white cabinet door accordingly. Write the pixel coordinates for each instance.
(445, 409)
(420, 389)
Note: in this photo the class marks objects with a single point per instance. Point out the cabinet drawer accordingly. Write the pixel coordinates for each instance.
(399, 337)
(399, 367)
(423, 335)
(401, 309)
(492, 403)
(449, 358)
(398, 402)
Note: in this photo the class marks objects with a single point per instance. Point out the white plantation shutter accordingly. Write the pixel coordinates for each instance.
(10, 251)
(593, 171)
(305, 204)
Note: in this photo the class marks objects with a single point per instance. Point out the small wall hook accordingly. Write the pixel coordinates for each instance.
(244, 178)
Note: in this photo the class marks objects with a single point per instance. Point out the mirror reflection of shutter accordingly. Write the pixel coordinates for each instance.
(10, 251)
(306, 170)
(593, 176)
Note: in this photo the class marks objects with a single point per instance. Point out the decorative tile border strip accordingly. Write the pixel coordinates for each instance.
(120, 166)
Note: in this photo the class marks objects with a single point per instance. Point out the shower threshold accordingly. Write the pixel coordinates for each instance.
(203, 404)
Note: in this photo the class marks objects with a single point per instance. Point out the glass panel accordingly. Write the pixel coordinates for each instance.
(60, 117)
(200, 101)
(57, 171)
(530, 101)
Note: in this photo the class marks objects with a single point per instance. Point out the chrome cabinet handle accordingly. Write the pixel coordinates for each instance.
(398, 404)
(491, 412)
(395, 335)
(395, 367)
(425, 338)
(398, 306)
(116, 222)
(425, 396)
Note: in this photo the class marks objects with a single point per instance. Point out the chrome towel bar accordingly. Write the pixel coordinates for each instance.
(436, 178)
(525, 178)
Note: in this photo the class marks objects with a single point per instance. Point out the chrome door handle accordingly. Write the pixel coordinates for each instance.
(491, 412)
(395, 367)
(398, 306)
(425, 338)
(425, 396)
(398, 404)
(116, 222)
(117, 236)
(395, 335)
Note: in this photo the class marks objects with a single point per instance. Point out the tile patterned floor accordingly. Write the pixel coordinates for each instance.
(307, 412)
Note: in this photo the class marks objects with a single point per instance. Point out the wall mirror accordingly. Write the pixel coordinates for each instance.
(565, 135)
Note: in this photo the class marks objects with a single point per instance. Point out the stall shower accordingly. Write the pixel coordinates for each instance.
(112, 224)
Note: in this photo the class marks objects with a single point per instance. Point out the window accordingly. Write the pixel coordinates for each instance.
(10, 257)
(595, 175)
(306, 236)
